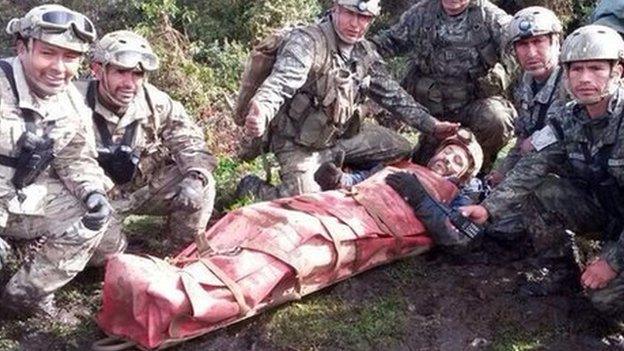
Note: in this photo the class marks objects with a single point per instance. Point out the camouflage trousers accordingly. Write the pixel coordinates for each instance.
(67, 247)
(490, 119)
(374, 144)
(156, 199)
(560, 204)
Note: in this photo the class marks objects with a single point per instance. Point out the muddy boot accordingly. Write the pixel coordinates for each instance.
(249, 186)
(552, 276)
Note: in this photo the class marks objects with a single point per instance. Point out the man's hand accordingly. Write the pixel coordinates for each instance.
(475, 213)
(598, 274)
(443, 130)
(98, 211)
(255, 122)
(526, 147)
(189, 194)
(494, 178)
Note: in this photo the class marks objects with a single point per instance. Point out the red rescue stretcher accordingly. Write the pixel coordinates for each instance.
(262, 256)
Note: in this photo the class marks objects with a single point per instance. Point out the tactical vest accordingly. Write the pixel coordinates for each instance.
(445, 75)
(533, 118)
(326, 108)
(596, 172)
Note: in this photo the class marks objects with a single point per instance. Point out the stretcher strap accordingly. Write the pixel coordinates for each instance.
(281, 255)
(373, 210)
(233, 286)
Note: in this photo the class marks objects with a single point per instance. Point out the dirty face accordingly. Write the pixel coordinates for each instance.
(591, 81)
(349, 25)
(119, 85)
(450, 161)
(537, 55)
(48, 68)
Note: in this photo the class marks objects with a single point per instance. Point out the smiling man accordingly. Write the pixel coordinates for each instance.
(535, 35)
(148, 146)
(51, 188)
(586, 192)
(310, 103)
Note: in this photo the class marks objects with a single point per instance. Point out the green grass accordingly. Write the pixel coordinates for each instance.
(326, 321)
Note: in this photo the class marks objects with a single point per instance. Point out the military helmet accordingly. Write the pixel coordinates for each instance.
(51, 24)
(366, 7)
(592, 42)
(125, 49)
(466, 140)
(533, 21)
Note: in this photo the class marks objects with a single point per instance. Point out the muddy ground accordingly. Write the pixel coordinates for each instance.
(430, 302)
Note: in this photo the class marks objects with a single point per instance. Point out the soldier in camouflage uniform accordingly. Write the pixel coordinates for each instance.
(311, 101)
(147, 144)
(585, 194)
(535, 33)
(455, 53)
(44, 119)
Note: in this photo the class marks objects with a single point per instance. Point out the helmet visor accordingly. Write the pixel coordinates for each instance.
(58, 19)
(131, 59)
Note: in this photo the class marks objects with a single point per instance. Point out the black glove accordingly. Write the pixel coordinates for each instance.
(329, 173)
(98, 211)
(189, 194)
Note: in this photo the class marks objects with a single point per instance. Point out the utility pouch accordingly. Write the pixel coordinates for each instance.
(317, 131)
(34, 156)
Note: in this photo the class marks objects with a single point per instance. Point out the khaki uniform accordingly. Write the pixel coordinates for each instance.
(170, 145)
(584, 194)
(534, 109)
(313, 97)
(51, 207)
(455, 69)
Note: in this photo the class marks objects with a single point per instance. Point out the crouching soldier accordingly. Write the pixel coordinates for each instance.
(147, 144)
(587, 195)
(51, 188)
(310, 103)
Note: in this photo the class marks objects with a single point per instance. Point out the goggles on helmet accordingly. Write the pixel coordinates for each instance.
(59, 19)
(130, 59)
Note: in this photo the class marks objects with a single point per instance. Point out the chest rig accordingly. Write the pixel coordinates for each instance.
(119, 160)
(326, 108)
(34, 153)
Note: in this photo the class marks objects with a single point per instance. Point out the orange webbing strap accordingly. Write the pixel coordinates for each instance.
(375, 212)
(233, 286)
(283, 256)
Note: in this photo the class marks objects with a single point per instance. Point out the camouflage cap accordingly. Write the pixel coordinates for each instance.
(467, 140)
(593, 42)
(56, 25)
(533, 21)
(366, 7)
(125, 49)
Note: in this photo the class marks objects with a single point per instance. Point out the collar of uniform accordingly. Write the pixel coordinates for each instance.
(547, 91)
(613, 119)
(28, 99)
(137, 110)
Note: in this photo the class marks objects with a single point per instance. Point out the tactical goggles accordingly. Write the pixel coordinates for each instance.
(59, 19)
(131, 59)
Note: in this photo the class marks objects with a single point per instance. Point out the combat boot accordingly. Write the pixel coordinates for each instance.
(249, 186)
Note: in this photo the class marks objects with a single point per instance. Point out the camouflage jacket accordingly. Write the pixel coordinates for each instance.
(165, 134)
(589, 151)
(533, 112)
(303, 98)
(450, 57)
(61, 117)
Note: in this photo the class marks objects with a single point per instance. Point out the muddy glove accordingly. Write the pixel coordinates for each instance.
(189, 194)
(426, 209)
(329, 174)
(98, 211)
